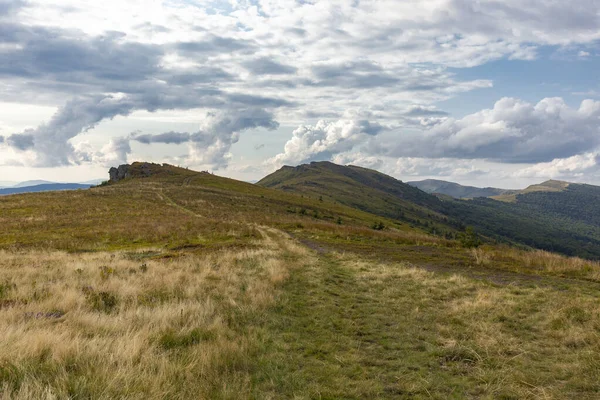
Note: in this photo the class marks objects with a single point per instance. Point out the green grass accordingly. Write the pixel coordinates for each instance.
(347, 329)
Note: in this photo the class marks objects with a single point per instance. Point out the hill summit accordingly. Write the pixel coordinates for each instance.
(144, 170)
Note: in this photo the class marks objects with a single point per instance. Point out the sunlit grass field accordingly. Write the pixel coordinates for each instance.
(188, 285)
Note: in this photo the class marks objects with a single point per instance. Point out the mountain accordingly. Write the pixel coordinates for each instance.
(32, 183)
(43, 188)
(364, 189)
(456, 190)
(555, 216)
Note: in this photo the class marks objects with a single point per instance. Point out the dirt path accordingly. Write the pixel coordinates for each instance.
(492, 275)
(163, 197)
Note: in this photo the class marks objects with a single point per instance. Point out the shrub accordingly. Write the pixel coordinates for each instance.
(101, 301)
(378, 226)
(469, 238)
(106, 272)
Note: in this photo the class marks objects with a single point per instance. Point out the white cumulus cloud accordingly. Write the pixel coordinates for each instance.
(325, 139)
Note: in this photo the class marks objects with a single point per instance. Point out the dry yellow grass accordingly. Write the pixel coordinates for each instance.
(114, 325)
(538, 262)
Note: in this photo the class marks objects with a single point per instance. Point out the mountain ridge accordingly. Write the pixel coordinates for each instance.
(555, 215)
(456, 190)
(47, 187)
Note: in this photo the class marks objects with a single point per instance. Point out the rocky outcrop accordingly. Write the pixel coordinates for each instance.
(141, 170)
(122, 172)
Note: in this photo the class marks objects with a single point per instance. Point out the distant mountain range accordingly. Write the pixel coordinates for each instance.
(46, 187)
(456, 190)
(13, 184)
(8, 187)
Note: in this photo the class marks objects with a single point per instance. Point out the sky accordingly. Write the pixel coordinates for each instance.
(480, 92)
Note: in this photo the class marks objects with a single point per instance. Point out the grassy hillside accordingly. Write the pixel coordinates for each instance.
(364, 189)
(551, 186)
(188, 285)
(554, 215)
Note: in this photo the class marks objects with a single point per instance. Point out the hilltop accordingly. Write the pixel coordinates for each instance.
(364, 189)
(547, 186)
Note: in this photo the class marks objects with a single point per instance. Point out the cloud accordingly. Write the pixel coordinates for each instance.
(359, 159)
(114, 153)
(166, 138)
(70, 57)
(266, 66)
(50, 141)
(9, 7)
(352, 75)
(570, 168)
(326, 139)
(418, 167)
(21, 141)
(215, 44)
(424, 111)
(218, 132)
(514, 131)
(382, 56)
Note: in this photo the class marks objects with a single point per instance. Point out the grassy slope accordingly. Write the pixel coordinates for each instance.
(564, 220)
(364, 189)
(554, 216)
(174, 208)
(548, 186)
(229, 306)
